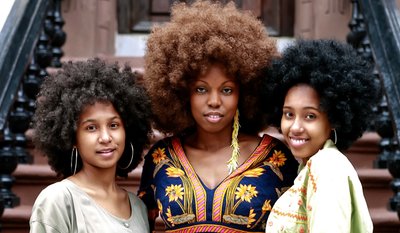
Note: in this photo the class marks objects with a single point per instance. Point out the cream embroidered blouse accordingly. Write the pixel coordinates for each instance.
(327, 196)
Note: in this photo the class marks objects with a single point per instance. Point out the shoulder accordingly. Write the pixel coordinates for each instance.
(277, 148)
(331, 163)
(273, 141)
(59, 191)
(136, 201)
(162, 146)
(53, 205)
(159, 147)
(137, 205)
(329, 158)
(164, 143)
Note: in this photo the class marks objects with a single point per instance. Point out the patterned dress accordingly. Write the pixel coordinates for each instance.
(240, 203)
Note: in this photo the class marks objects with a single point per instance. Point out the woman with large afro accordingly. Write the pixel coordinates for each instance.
(324, 96)
(92, 122)
(213, 173)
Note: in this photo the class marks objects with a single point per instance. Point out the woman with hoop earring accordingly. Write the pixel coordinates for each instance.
(92, 122)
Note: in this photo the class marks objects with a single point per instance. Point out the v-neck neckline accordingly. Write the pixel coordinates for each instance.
(192, 174)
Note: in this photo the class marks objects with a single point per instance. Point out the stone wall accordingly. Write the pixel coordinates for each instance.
(322, 19)
(90, 26)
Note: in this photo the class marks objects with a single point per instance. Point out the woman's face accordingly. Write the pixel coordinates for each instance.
(213, 100)
(304, 126)
(100, 136)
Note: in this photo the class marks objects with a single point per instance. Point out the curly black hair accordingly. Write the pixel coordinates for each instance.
(63, 96)
(198, 36)
(345, 83)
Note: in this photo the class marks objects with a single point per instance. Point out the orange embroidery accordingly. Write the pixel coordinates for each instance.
(290, 215)
(312, 178)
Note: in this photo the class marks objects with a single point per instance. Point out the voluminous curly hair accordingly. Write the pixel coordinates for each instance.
(63, 97)
(345, 83)
(198, 36)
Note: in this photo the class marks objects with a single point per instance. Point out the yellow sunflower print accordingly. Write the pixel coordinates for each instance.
(158, 155)
(246, 192)
(278, 158)
(174, 192)
(175, 172)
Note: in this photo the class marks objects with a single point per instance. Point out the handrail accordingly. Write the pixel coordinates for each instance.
(17, 42)
(382, 19)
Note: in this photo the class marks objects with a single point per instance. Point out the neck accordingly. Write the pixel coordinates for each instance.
(96, 179)
(210, 141)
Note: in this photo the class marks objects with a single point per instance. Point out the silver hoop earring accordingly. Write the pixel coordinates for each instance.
(334, 131)
(130, 162)
(74, 156)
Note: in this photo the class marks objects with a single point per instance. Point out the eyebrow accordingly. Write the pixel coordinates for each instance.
(199, 80)
(306, 108)
(93, 120)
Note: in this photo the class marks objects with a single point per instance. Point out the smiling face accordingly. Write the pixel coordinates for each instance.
(213, 100)
(100, 136)
(304, 126)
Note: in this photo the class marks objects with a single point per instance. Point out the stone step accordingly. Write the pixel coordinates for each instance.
(365, 151)
(385, 221)
(376, 185)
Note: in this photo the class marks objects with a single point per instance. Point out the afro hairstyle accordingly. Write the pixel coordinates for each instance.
(198, 36)
(63, 97)
(347, 88)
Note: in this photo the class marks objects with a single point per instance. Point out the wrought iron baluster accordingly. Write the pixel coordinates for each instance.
(359, 39)
(60, 36)
(18, 124)
(8, 163)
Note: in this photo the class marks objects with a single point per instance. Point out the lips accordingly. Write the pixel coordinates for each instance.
(106, 152)
(297, 142)
(213, 117)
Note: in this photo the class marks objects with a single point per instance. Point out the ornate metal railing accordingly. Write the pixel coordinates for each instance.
(375, 32)
(30, 40)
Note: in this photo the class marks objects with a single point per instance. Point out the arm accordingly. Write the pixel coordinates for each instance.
(146, 191)
(40, 227)
(50, 213)
(329, 207)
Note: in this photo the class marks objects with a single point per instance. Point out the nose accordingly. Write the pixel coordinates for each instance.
(105, 136)
(297, 126)
(214, 100)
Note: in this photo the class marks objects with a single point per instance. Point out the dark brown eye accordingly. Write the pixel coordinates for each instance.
(91, 128)
(227, 90)
(201, 90)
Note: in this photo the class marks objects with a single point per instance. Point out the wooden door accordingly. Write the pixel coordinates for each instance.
(141, 15)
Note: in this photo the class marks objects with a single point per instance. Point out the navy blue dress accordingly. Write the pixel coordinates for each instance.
(240, 203)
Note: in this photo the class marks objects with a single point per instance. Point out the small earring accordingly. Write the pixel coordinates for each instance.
(130, 162)
(335, 135)
(74, 156)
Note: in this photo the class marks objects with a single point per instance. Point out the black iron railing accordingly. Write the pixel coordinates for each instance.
(375, 32)
(30, 41)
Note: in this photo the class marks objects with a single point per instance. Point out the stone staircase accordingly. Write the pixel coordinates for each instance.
(31, 179)
(376, 183)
